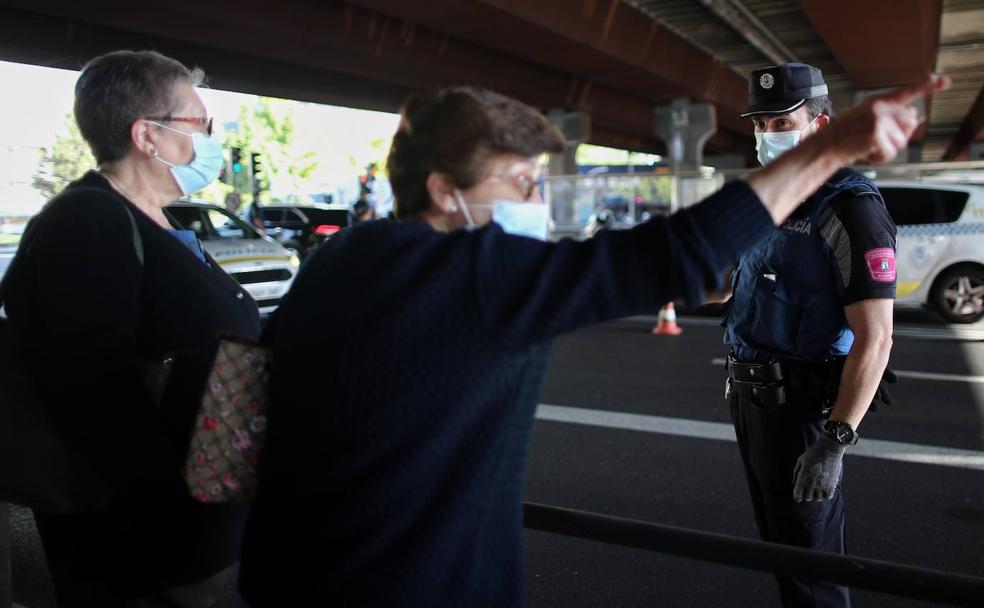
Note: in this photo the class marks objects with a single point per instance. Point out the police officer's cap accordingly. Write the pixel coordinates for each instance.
(780, 89)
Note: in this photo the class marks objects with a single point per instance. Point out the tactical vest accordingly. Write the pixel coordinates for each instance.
(786, 299)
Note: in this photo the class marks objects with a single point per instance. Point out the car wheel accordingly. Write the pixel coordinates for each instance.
(959, 294)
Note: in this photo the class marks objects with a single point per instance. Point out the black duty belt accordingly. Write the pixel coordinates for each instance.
(769, 384)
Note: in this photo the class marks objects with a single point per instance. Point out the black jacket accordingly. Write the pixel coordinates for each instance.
(88, 314)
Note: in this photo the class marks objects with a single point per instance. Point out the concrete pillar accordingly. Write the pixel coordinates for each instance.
(684, 127)
(576, 128)
(564, 163)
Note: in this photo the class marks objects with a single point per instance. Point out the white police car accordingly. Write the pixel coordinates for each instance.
(261, 265)
(940, 247)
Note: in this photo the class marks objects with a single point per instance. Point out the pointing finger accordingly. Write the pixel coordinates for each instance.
(905, 95)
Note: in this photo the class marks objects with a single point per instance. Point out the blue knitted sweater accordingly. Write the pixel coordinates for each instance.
(408, 369)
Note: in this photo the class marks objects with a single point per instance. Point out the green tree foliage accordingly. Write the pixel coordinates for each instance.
(64, 162)
(267, 128)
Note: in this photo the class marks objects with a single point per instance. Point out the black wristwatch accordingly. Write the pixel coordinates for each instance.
(841, 432)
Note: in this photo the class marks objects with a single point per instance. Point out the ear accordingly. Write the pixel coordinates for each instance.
(822, 121)
(441, 189)
(142, 137)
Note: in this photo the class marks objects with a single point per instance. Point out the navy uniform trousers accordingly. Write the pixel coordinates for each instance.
(770, 441)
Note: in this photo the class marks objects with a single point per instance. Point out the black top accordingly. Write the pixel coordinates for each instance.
(88, 314)
(408, 369)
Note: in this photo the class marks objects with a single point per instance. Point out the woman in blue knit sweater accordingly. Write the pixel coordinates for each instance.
(410, 353)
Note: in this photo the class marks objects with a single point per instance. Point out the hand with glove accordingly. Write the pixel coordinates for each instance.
(818, 470)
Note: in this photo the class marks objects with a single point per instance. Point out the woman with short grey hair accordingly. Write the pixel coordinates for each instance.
(103, 284)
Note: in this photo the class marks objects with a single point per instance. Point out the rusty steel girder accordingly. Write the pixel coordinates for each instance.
(879, 44)
(350, 54)
(971, 130)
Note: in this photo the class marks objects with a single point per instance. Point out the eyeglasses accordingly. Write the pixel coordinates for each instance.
(205, 122)
(525, 184)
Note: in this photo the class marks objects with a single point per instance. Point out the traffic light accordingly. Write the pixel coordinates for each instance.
(254, 163)
(237, 160)
(255, 167)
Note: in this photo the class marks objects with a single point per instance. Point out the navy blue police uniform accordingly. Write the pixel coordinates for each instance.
(789, 338)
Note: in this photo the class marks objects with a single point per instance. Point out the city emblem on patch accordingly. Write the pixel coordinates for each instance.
(767, 81)
(881, 264)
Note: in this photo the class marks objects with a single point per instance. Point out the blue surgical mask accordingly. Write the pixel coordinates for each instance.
(524, 219)
(515, 217)
(771, 146)
(203, 168)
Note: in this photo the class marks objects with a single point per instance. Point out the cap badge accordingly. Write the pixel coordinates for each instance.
(766, 81)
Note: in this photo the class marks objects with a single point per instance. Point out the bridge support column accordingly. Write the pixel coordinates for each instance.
(684, 127)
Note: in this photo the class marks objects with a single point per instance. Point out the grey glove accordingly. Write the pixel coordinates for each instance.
(818, 470)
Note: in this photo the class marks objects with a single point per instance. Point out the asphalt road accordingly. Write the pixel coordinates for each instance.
(927, 513)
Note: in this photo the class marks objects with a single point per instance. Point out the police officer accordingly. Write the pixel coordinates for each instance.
(810, 326)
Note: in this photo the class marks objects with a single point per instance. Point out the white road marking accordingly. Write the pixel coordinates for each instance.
(903, 373)
(682, 427)
(942, 332)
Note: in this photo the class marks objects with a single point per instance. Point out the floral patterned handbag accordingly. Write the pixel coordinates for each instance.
(221, 466)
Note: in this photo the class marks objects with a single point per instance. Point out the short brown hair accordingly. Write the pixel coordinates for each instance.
(118, 88)
(454, 131)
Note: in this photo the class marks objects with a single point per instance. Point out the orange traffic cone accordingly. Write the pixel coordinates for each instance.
(667, 325)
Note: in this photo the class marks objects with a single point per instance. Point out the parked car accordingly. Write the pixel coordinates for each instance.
(6, 255)
(301, 228)
(635, 211)
(262, 266)
(940, 253)
(616, 211)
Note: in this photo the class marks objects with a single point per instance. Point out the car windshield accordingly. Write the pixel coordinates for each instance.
(210, 223)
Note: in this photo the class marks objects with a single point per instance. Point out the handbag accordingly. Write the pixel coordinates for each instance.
(223, 455)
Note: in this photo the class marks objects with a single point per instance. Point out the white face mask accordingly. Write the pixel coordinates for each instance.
(524, 219)
(771, 146)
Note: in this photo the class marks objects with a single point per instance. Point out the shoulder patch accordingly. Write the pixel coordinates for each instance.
(881, 264)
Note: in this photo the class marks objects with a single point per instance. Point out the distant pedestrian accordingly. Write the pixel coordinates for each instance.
(233, 202)
(363, 210)
(254, 216)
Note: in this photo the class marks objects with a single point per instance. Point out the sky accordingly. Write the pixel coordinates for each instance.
(35, 108)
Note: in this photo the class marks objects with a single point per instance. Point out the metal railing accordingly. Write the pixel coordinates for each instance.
(857, 572)
(633, 197)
